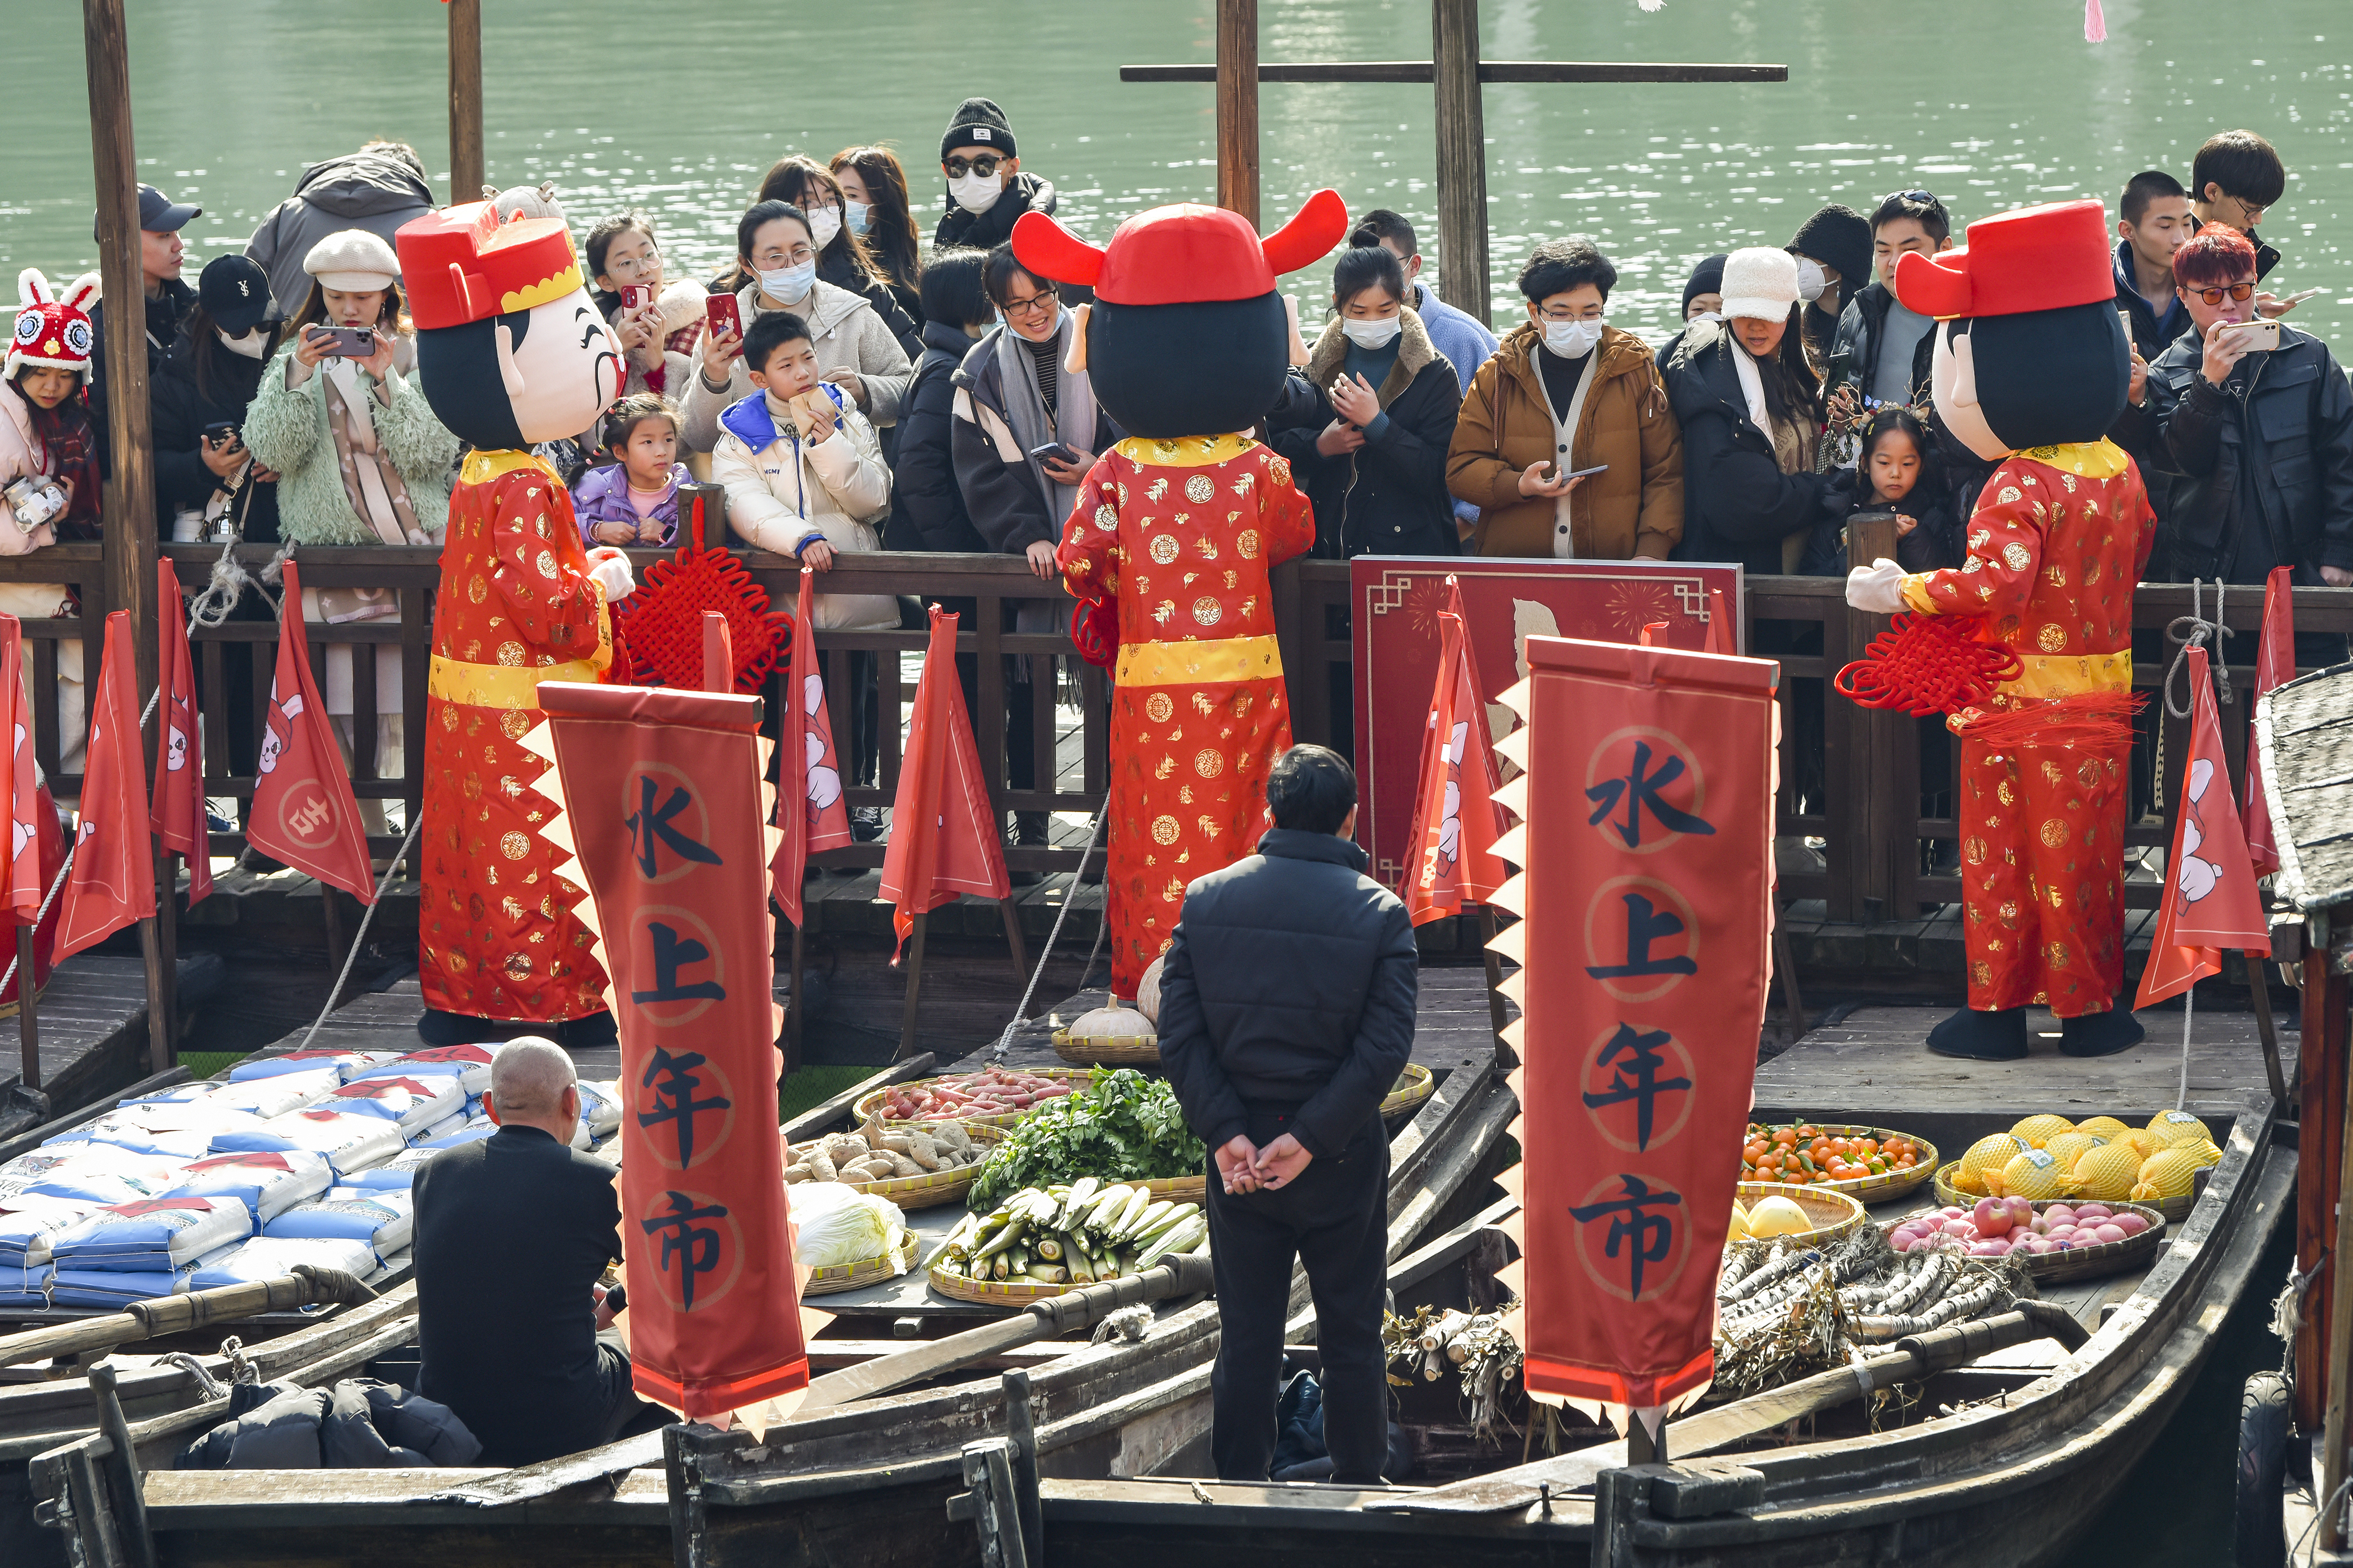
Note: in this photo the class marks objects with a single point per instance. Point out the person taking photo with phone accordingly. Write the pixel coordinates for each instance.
(1025, 429)
(207, 484)
(1567, 391)
(1369, 444)
(2252, 443)
(657, 321)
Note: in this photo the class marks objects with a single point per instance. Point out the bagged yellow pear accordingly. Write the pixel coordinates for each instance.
(2168, 1174)
(2070, 1147)
(2106, 1172)
(2036, 1131)
(2106, 1127)
(2204, 1153)
(1989, 1153)
(2169, 1128)
(2030, 1173)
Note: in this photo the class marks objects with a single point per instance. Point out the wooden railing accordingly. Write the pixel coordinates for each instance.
(1850, 777)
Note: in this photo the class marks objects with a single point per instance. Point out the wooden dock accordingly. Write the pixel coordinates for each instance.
(91, 1019)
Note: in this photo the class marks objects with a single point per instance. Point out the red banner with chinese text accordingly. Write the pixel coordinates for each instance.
(665, 808)
(1647, 867)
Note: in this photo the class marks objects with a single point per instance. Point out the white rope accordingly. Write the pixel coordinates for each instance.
(1004, 1040)
(229, 581)
(2189, 1006)
(360, 936)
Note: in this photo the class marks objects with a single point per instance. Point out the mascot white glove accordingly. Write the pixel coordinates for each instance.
(1877, 588)
(610, 569)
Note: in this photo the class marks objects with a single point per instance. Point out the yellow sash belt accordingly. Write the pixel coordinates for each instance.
(502, 685)
(1198, 663)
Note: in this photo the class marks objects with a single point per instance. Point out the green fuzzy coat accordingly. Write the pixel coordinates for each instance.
(286, 430)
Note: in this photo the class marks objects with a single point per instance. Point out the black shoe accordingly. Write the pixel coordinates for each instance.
(2100, 1034)
(1982, 1037)
(866, 824)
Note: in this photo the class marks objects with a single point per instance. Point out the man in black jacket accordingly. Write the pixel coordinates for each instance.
(1286, 1013)
(987, 191)
(511, 1234)
(165, 305)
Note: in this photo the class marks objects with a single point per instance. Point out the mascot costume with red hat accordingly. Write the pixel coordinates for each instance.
(1174, 532)
(510, 352)
(2029, 372)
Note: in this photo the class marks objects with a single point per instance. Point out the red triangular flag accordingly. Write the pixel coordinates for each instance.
(808, 775)
(113, 881)
(178, 812)
(2274, 663)
(1721, 634)
(944, 838)
(1455, 819)
(2211, 902)
(303, 809)
(22, 886)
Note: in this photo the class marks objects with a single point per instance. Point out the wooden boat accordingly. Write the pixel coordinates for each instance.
(863, 1474)
(2044, 1432)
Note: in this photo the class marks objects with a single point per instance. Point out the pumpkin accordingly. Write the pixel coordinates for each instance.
(1147, 991)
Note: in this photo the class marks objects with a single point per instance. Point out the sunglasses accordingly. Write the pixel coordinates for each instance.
(984, 165)
(2238, 292)
(1927, 198)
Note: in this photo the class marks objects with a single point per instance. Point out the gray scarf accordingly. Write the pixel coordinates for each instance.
(1074, 403)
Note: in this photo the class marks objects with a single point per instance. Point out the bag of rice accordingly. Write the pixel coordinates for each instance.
(96, 1172)
(172, 1146)
(26, 1234)
(413, 1104)
(151, 1234)
(343, 1062)
(115, 1289)
(25, 1287)
(268, 1183)
(349, 1140)
(270, 1257)
(469, 1065)
(381, 1219)
(472, 1132)
(441, 1128)
(600, 1108)
(393, 1175)
(282, 1093)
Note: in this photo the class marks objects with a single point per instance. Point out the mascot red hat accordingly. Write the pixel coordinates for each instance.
(1187, 254)
(461, 265)
(2036, 259)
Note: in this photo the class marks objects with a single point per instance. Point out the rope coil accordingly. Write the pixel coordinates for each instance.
(2193, 630)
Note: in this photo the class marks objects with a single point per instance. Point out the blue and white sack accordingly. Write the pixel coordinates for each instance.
(342, 1063)
(27, 1232)
(383, 1220)
(394, 1175)
(154, 1233)
(349, 1140)
(469, 1065)
(270, 1257)
(115, 1289)
(25, 1287)
(277, 1095)
(413, 1104)
(600, 1111)
(267, 1183)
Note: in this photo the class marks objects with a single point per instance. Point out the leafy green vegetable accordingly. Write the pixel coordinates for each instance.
(1127, 1128)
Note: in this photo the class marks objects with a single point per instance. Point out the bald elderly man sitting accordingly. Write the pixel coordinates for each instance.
(511, 1233)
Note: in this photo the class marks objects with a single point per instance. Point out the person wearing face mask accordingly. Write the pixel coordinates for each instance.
(1703, 296)
(775, 246)
(1370, 447)
(842, 258)
(1566, 392)
(875, 209)
(1833, 252)
(987, 191)
(208, 486)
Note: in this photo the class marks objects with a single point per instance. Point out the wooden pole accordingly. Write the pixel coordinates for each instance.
(2321, 1076)
(1498, 1015)
(1875, 736)
(796, 1004)
(467, 172)
(1238, 107)
(2259, 991)
(915, 987)
(1461, 156)
(1013, 942)
(2340, 1312)
(29, 1028)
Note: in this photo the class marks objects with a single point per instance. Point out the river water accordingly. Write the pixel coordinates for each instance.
(680, 107)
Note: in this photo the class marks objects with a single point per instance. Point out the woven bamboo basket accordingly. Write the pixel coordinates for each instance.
(1077, 1079)
(1892, 1185)
(1835, 1215)
(855, 1276)
(996, 1292)
(2090, 1262)
(2173, 1209)
(933, 1187)
(1109, 1050)
(1413, 1086)
(1180, 1189)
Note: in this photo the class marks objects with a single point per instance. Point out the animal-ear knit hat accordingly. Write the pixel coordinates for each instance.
(1760, 283)
(51, 332)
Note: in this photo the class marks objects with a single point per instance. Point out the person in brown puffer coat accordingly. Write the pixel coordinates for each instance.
(1563, 392)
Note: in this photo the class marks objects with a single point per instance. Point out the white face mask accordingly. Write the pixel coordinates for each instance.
(786, 287)
(977, 192)
(823, 223)
(1812, 279)
(250, 345)
(860, 216)
(1572, 339)
(1373, 335)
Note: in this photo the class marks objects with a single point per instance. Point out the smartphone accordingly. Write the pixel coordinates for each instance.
(1580, 473)
(347, 342)
(2255, 337)
(637, 296)
(1834, 377)
(724, 314)
(2301, 295)
(221, 434)
(1054, 452)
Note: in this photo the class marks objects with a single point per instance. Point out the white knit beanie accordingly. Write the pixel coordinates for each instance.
(355, 260)
(1760, 283)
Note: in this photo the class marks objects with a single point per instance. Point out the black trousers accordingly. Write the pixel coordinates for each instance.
(1333, 1218)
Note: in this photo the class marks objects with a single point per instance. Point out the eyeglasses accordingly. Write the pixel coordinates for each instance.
(1033, 304)
(638, 266)
(772, 257)
(2247, 209)
(984, 165)
(1591, 313)
(2214, 296)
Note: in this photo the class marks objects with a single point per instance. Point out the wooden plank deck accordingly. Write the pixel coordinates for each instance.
(92, 1018)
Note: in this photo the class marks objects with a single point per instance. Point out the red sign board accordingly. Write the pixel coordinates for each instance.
(1647, 902)
(1394, 603)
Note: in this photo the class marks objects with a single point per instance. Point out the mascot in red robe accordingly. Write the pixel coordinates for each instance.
(2030, 370)
(510, 352)
(1174, 532)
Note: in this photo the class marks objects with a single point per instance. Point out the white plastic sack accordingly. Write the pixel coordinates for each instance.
(381, 1219)
(342, 1063)
(350, 1142)
(441, 1128)
(279, 1093)
(151, 1233)
(472, 1132)
(113, 1288)
(26, 1234)
(469, 1065)
(412, 1103)
(269, 1258)
(267, 1182)
(395, 1175)
(98, 1172)
(172, 1146)
(25, 1287)
(600, 1108)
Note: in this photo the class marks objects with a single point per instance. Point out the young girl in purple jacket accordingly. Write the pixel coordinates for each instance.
(634, 502)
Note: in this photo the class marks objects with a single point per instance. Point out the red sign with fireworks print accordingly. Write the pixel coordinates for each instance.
(1394, 601)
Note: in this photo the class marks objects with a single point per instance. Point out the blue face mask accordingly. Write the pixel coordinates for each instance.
(790, 284)
(859, 217)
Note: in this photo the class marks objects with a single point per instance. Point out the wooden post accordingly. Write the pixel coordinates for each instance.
(1498, 1015)
(1013, 942)
(29, 1028)
(1238, 107)
(1461, 156)
(796, 1007)
(159, 945)
(2340, 1308)
(467, 172)
(914, 986)
(1871, 761)
(2321, 1075)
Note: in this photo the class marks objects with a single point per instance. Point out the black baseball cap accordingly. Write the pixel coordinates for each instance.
(234, 292)
(158, 214)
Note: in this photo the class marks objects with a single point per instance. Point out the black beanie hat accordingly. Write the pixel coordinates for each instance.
(1837, 237)
(1707, 277)
(980, 123)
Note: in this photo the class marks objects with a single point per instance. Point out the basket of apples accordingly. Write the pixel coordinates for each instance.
(2056, 1238)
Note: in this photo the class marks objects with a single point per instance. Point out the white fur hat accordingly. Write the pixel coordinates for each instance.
(353, 259)
(681, 303)
(1760, 283)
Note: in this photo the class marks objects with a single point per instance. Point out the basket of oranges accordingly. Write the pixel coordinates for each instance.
(1869, 1164)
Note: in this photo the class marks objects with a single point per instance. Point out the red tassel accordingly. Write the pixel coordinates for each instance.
(2095, 25)
(2096, 719)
